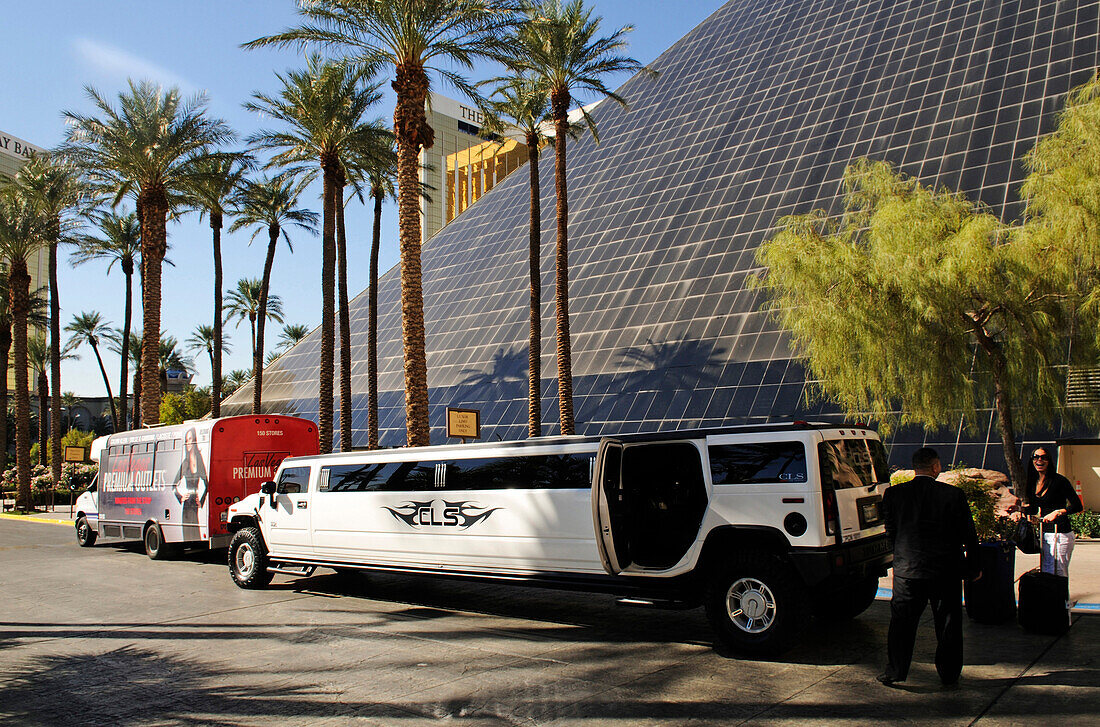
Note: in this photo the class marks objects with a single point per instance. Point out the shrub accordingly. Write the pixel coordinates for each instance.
(1086, 524)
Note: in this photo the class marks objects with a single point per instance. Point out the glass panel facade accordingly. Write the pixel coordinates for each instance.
(754, 116)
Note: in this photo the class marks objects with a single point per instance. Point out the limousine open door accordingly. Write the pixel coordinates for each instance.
(648, 501)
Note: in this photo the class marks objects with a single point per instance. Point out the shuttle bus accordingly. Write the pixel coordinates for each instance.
(762, 525)
(172, 486)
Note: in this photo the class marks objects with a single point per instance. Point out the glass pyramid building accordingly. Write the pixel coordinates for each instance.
(755, 114)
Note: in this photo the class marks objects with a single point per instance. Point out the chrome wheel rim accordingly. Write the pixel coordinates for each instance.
(245, 560)
(82, 532)
(750, 605)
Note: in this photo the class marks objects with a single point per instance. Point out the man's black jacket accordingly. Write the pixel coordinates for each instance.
(929, 526)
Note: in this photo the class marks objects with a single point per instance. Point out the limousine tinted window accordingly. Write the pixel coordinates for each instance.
(538, 472)
(757, 462)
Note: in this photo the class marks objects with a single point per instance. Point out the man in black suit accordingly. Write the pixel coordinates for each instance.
(929, 526)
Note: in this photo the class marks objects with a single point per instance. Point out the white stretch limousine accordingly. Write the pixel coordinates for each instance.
(764, 525)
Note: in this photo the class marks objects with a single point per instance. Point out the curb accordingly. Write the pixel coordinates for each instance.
(34, 519)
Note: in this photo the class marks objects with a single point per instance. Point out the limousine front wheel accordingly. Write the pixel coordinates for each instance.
(248, 559)
(756, 603)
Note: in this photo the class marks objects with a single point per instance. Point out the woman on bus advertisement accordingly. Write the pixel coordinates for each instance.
(191, 480)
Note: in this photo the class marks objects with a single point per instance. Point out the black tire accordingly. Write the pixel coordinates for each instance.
(85, 535)
(756, 603)
(847, 602)
(155, 547)
(248, 559)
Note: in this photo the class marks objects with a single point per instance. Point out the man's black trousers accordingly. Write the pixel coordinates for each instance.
(911, 595)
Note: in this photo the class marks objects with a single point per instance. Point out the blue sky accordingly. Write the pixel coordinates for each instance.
(52, 49)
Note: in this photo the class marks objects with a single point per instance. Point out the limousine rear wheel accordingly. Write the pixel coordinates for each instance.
(248, 559)
(756, 603)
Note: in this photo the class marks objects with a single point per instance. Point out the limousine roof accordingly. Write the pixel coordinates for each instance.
(660, 436)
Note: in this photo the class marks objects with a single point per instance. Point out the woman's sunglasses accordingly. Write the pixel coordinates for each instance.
(1038, 457)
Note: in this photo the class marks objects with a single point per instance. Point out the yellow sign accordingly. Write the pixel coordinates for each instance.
(75, 454)
(464, 423)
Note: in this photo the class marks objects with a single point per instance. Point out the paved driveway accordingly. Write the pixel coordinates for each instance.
(106, 636)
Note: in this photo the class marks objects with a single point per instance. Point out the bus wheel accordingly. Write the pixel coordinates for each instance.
(155, 547)
(85, 536)
(756, 603)
(248, 559)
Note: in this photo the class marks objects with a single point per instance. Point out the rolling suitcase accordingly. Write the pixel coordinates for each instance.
(1044, 602)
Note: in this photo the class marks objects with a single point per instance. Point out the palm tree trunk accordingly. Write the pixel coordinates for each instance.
(137, 397)
(534, 354)
(261, 318)
(345, 323)
(412, 132)
(216, 356)
(154, 210)
(560, 104)
(252, 337)
(106, 381)
(55, 364)
(5, 349)
(19, 282)
(124, 382)
(43, 416)
(328, 273)
(372, 325)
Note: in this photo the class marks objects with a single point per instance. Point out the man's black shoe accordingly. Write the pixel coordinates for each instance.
(886, 680)
(950, 686)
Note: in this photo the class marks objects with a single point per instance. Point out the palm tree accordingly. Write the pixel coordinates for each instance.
(323, 108)
(22, 233)
(206, 339)
(169, 358)
(88, 327)
(522, 105)
(150, 148)
(217, 180)
(120, 242)
(292, 333)
(38, 358)
(236, 379)
(558, 48)
(244, 304)
(38, 317)
(408, 36)
(55, 188)
(69, 401)
(382, 177)
(271, 205)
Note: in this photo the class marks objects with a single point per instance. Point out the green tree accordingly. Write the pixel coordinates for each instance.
(119, 242)
(381, 177)
(269, 205)
(322, 109)
(920, 301)
(22, 234)
(205, 339)
(413, 37)
(87, 328)
(55, 188)
(522, 105)
(559, 48)
(151, 147)
(243, 303)
(188, 405)
(216, 181)
(236, 379)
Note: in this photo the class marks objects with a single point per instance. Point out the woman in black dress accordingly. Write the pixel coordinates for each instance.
(1051, 496)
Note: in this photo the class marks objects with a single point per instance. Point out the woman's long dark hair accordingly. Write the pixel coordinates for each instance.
(1033, 474)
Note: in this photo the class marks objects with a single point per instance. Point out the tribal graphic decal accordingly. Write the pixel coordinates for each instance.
(459, 515)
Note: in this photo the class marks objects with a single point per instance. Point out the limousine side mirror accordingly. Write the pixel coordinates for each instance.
(269, 488)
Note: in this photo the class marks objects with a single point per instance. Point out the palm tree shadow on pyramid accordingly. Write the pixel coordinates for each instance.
(754, 116)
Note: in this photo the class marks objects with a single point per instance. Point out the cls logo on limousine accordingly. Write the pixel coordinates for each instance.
(459, 515)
